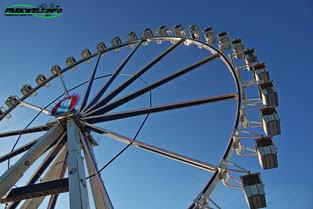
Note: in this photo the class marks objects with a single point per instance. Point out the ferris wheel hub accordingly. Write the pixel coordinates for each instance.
(65, 106)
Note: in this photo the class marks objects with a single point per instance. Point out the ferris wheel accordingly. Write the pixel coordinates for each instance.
(68, 141)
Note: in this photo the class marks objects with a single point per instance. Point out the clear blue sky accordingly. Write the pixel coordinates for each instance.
(281, 33)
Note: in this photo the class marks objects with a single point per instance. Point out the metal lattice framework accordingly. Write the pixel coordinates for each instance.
(65, 137)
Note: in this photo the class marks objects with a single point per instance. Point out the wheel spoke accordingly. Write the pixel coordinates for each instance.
(88, 88)
(150, 148)
(119, 89)
(160, 108)
(63, 84)
(140, 92)
(98, 95)
(125, 148)
(25, 131)
(34, 107)
(18, 151)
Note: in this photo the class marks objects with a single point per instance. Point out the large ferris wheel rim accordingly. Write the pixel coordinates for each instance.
(209, 187)
(154, 38)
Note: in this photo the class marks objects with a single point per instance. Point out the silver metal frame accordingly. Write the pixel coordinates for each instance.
(79, 123)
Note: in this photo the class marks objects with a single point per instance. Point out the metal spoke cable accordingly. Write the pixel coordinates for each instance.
(17, 122)
(181, 120)
(127, 146)
(123, 150)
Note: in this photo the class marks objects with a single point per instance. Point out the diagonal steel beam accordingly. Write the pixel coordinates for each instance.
(24, 149)
(95, 100)
(11, 176)
(52, 174)
(99, 192)
(156, 84)
(44, 165)
(150, 148)
(119, 89)
(60, 175)
(160, 108)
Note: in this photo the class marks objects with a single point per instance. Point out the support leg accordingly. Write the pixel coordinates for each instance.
(51, 174)
(11, 176)
(99, 192)
(76, 173)
(60, 175)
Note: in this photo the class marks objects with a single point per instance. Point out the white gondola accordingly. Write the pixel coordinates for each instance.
(250, 58)
(194, 31)
(270, 121)
(254, 190)
(42, 78)
(146, 33)
(223, 40)
(26, 89)
(260, 72)
(115, 42)
(268, 94)
(179, 31)
(11, 101)
(56, 69)
(70, 61)
(238, 48)
(86, 53)
(163, 31)
(209, 35)
(267, 153)
(100, 47)
(2, 110)
(131, 37)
